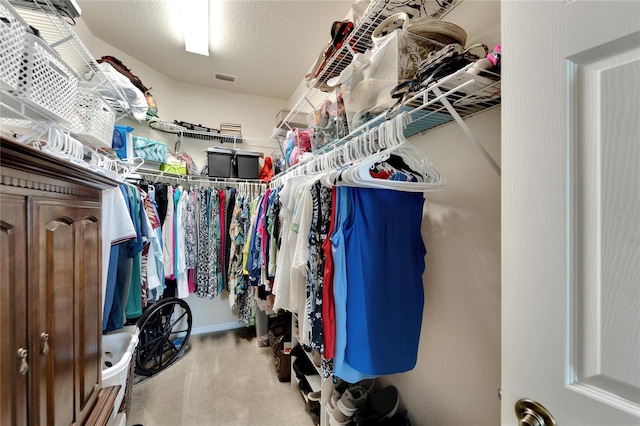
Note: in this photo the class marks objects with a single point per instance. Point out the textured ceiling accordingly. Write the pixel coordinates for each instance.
(268, 44)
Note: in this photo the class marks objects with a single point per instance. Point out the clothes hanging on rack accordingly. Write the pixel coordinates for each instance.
(117, 229)
(152, 258)
(134, 265)
(189, 224)
(197, 247)
(373, 277)
(351, 258)
(168, 235)
(238, 231)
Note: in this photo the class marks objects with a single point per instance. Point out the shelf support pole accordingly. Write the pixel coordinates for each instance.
(61, 41)
(467, 130)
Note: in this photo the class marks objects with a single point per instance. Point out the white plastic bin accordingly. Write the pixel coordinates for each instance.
(117, 350)
(46, 81)
(12, 31)
(93, 117)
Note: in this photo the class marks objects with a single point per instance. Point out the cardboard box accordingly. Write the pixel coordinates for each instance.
(298, 120)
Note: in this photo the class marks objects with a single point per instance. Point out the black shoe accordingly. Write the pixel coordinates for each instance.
(380, 406)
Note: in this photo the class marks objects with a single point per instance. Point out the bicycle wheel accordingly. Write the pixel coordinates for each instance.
(164, 332)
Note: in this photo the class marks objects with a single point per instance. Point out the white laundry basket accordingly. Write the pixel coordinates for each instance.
(45, 81)
(118, 348)
(93, 118)
(12, 31)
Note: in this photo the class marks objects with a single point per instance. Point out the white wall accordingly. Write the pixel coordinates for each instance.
(199, 105)
(195, 104)
(457, 377)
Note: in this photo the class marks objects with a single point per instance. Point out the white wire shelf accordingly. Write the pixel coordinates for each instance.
(360, 38)
(56, 31)
(453, 98)
(224, 138)
(17, 116)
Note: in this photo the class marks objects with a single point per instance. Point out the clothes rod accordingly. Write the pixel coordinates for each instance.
(153, 175)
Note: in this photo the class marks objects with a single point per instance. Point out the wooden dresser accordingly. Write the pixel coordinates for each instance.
(50, 289)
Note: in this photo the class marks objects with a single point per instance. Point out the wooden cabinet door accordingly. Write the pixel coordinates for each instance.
(65, 304)
(13, 306)
(88, 304)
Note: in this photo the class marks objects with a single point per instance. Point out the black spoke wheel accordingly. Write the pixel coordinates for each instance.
(165, 328)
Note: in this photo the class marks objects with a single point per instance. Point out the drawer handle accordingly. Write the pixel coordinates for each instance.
(44, 338)
(24, 367)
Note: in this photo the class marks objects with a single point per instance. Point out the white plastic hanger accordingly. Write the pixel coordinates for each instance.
(392, 140)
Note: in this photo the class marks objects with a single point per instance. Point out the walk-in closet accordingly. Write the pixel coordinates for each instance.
(270, 212)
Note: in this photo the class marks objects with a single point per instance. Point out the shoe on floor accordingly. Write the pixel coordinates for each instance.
(338, 389)
(365, 384)
(350, 402)
(381, 405)
(332, 420)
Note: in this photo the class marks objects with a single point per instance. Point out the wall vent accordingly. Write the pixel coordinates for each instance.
(224, 77)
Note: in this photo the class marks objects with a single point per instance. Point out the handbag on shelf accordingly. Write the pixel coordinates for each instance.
(340, 31)
(447, 60)
(122, 69)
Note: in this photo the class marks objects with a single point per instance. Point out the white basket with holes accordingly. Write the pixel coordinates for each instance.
(46, 82)
(93, 118)
(12, 31)
(118, 348)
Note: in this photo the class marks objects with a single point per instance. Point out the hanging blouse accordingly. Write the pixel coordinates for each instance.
(168, 236)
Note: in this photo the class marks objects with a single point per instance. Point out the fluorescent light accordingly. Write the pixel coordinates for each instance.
(195, 26)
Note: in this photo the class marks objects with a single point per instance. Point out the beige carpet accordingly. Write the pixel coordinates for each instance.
(223, 379)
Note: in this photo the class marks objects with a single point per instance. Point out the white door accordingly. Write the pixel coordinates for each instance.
(571, 210)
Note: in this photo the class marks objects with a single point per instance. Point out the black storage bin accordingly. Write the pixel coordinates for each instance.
(247, 164)
(219, 162)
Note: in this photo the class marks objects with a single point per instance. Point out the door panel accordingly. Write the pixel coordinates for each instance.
(571, 210)
(68, 234)
(606, 229)
(13, 305)
(88, 297)
(59, 286)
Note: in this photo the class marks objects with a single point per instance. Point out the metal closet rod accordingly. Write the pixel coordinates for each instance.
(161, 175)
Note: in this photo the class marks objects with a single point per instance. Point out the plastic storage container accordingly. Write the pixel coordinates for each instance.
(93, 117)
(149, 149)
(247, 164)
(394, 61)
(12, 31)
(46, 82)
(219, 162)
(118, 348)
(122, 141)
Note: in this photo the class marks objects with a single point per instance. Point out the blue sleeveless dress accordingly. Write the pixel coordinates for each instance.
(384, 254)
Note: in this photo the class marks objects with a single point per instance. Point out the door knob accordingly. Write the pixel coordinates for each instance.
(24, 367)
(532, 413)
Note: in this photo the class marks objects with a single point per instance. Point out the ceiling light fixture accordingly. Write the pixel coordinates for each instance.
(195, 26)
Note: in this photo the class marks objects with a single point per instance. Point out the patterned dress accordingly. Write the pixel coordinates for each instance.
(320, 222)
(238, 239)
(213, 260)
(203, 244)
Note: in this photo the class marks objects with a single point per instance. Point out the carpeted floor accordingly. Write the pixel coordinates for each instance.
(224, 379)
